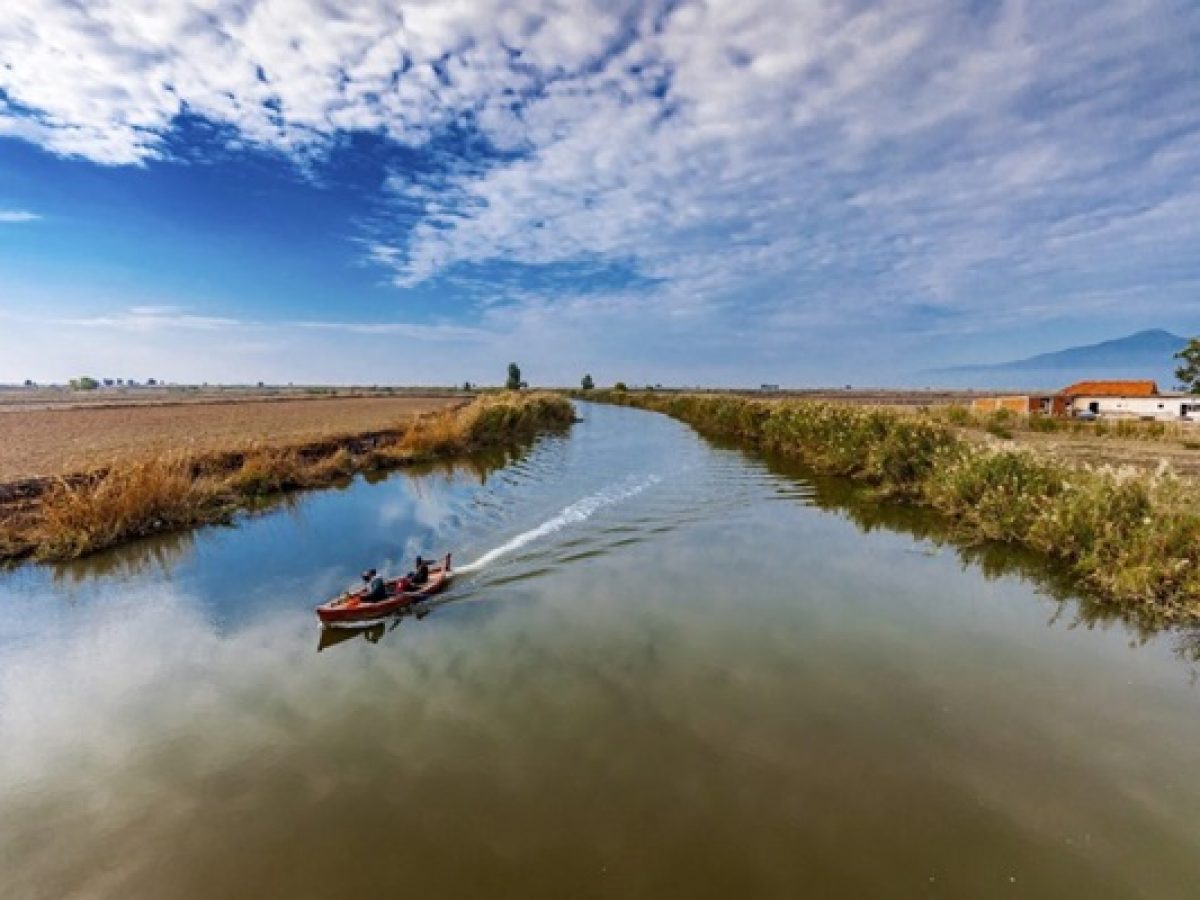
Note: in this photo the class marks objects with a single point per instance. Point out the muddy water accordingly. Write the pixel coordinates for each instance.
(666, 672)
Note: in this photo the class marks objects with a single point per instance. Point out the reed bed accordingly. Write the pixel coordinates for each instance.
(139, 497)
(1128, 538)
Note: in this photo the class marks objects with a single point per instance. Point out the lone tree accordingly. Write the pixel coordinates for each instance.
(620, 386)
(1188, 372)
(586, 382)
(84, 383)
(514, 382)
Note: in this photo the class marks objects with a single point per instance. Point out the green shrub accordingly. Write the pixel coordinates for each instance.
(1045, 424)
(1000, 423)
(956, 414)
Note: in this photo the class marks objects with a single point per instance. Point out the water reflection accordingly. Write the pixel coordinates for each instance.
(331, 637)
(705, 687)
(161, 554)
(1075, 607)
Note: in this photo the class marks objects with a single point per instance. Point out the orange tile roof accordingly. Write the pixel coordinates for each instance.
(1111, 389)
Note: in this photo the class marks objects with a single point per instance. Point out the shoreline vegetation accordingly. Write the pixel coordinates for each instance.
(1131, 539)
(69, 517)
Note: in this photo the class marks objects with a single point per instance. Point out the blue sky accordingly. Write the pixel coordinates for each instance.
(808, 192)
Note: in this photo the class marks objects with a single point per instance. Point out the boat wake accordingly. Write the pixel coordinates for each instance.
(579, 511)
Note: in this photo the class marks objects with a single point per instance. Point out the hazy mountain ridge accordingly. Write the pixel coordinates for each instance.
(1145, 354)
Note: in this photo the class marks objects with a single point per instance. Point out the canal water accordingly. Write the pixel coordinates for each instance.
(667, 670)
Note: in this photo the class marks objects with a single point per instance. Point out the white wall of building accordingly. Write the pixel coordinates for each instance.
(1170, 408)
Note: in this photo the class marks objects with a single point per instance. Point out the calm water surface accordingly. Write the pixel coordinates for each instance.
(669, 673)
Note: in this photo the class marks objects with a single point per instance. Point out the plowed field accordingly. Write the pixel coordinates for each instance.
(54, 441)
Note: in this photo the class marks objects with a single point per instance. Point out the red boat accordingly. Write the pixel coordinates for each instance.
(351, 609)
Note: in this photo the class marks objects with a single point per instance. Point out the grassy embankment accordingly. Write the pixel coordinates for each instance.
(144, 496)
(1130, 538)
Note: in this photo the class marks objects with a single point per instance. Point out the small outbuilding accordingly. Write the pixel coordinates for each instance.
(1022, 404)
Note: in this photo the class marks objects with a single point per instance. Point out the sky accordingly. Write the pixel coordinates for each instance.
(802, 192)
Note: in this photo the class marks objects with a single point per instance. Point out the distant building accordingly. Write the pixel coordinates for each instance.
(1022, 404)
(769, 388)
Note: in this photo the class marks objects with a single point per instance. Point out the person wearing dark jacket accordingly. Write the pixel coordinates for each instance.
(376, 590)
(420, 573)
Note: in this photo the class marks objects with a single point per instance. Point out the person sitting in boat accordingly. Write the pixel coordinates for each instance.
(420, 573)
(376, 590)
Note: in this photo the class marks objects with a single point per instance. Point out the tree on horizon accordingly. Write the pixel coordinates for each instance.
(1188, 371)
(586, 383)
(514, 382)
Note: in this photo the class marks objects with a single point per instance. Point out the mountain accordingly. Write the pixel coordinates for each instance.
(1146, 354)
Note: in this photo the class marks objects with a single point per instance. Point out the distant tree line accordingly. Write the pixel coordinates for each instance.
(88, 383)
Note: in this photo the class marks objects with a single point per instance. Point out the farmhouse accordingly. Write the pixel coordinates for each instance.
(1104, 399)
(1129, 400)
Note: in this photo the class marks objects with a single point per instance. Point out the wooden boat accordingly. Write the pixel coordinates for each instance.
(351, 609)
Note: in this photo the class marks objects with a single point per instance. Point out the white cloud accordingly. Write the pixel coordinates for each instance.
(835, 160)
(174, 318)
(175, 345)
(416, 330)
(106, 81)
(769, 167)
(16, 216)
(151, 318)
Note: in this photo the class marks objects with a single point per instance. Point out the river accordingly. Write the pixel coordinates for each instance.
(667, 669)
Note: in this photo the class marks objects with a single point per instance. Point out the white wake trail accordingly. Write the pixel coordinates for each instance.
(579, 511)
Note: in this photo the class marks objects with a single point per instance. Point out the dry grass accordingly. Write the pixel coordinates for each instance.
(143, 496)
(147, 496)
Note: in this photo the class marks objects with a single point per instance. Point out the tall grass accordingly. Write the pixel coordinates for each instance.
(1128, 538)
(127, 502)
(145, 496)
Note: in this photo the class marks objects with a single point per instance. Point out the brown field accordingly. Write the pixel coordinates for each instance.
(1180, 454)
(47, 436)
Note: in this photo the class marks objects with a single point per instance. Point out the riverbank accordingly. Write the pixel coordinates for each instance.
(1142, 445)
(1130, 538)
(73, 515)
